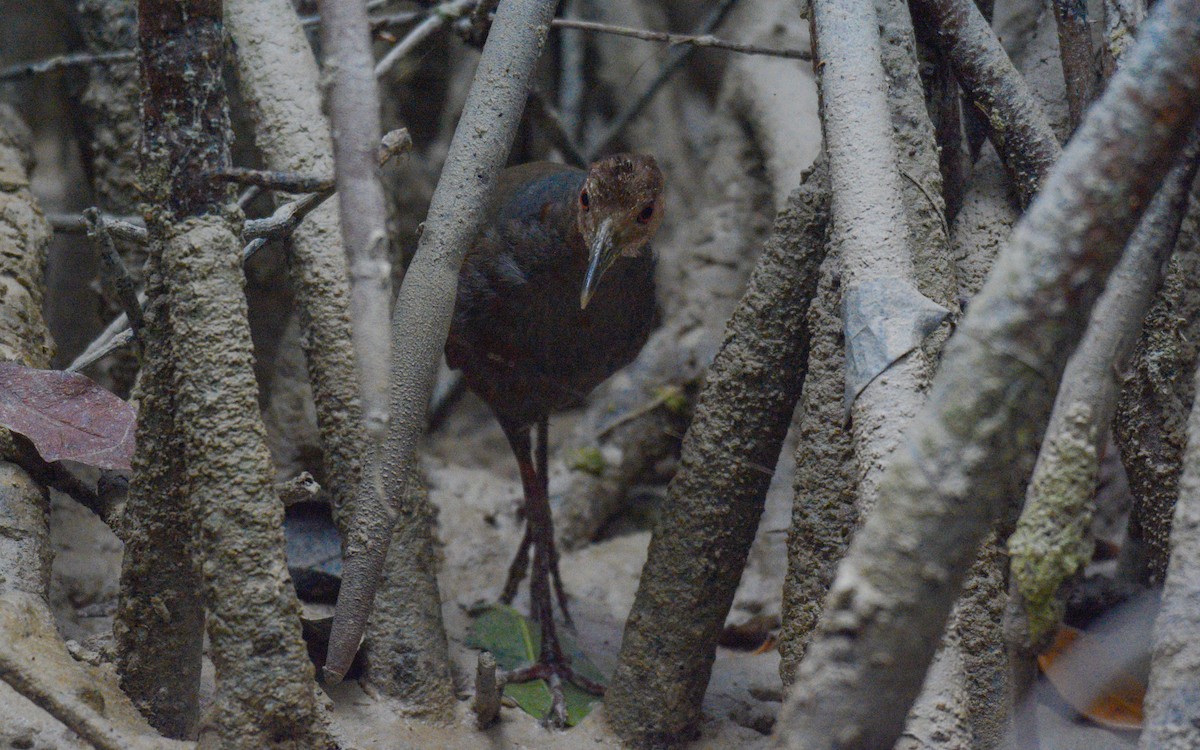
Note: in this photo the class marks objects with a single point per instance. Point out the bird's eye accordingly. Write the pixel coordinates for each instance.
(647, 214)
(583, 200)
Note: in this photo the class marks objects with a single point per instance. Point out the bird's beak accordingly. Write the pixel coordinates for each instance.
(603, 253)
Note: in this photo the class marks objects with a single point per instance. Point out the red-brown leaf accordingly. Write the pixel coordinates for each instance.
(67, 416)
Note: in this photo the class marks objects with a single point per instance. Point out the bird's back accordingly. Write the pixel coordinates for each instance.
(518, 332)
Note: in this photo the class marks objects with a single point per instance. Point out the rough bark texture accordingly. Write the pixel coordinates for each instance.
(405, 648)
(1171, 700)
(265, 694)
(34, 663)
(824, 514)
(25, 551)
(1156, 394)
(988, 405)
(714, 502)
(423, 309)
(279, 82)
(158, 647)
(111, 103)
(1016, 125)
(1052, 541)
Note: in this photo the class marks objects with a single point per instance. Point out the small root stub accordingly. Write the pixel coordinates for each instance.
(486, 704)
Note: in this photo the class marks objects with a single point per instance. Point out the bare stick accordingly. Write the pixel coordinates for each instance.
(113, 268)
(62, 62)
(1075, 49)
(1017, 126)
(548, 118)
(954, 473)
(288, 182)
(709, 520)
(127, 228)
(354, 115)
(675, 59)
(422, 317)
(75, 714)
(437, 18)
(703, 40)
(486, 703)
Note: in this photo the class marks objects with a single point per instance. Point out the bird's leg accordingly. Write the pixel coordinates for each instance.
(516, 571)
(552, 665)
(543, 473)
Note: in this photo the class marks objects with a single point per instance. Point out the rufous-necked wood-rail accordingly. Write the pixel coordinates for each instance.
(556, 295)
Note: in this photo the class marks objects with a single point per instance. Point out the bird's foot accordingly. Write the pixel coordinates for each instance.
(555, 673)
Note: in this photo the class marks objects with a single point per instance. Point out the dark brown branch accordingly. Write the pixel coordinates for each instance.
(198, 343)
(113, 268)
(1075, 48)
(62, 62)
(1016, 124)
(955, 472)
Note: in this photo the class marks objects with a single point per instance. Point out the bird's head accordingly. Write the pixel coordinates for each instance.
(620, 209)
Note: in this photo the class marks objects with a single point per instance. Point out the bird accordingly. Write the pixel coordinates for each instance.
(554, 296)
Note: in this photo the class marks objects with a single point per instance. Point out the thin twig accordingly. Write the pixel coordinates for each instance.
(115, 336)
(113, 268)
(124, 228)
(438, 17)
(288, 216)
(675, 60)
(288, 182)
(60, 62)
(701, 40)
(548, 118)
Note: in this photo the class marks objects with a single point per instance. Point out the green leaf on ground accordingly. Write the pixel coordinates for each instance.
(515, 642)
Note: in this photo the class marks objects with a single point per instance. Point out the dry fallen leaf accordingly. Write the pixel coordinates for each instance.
(1081, 671)
(67, 416)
